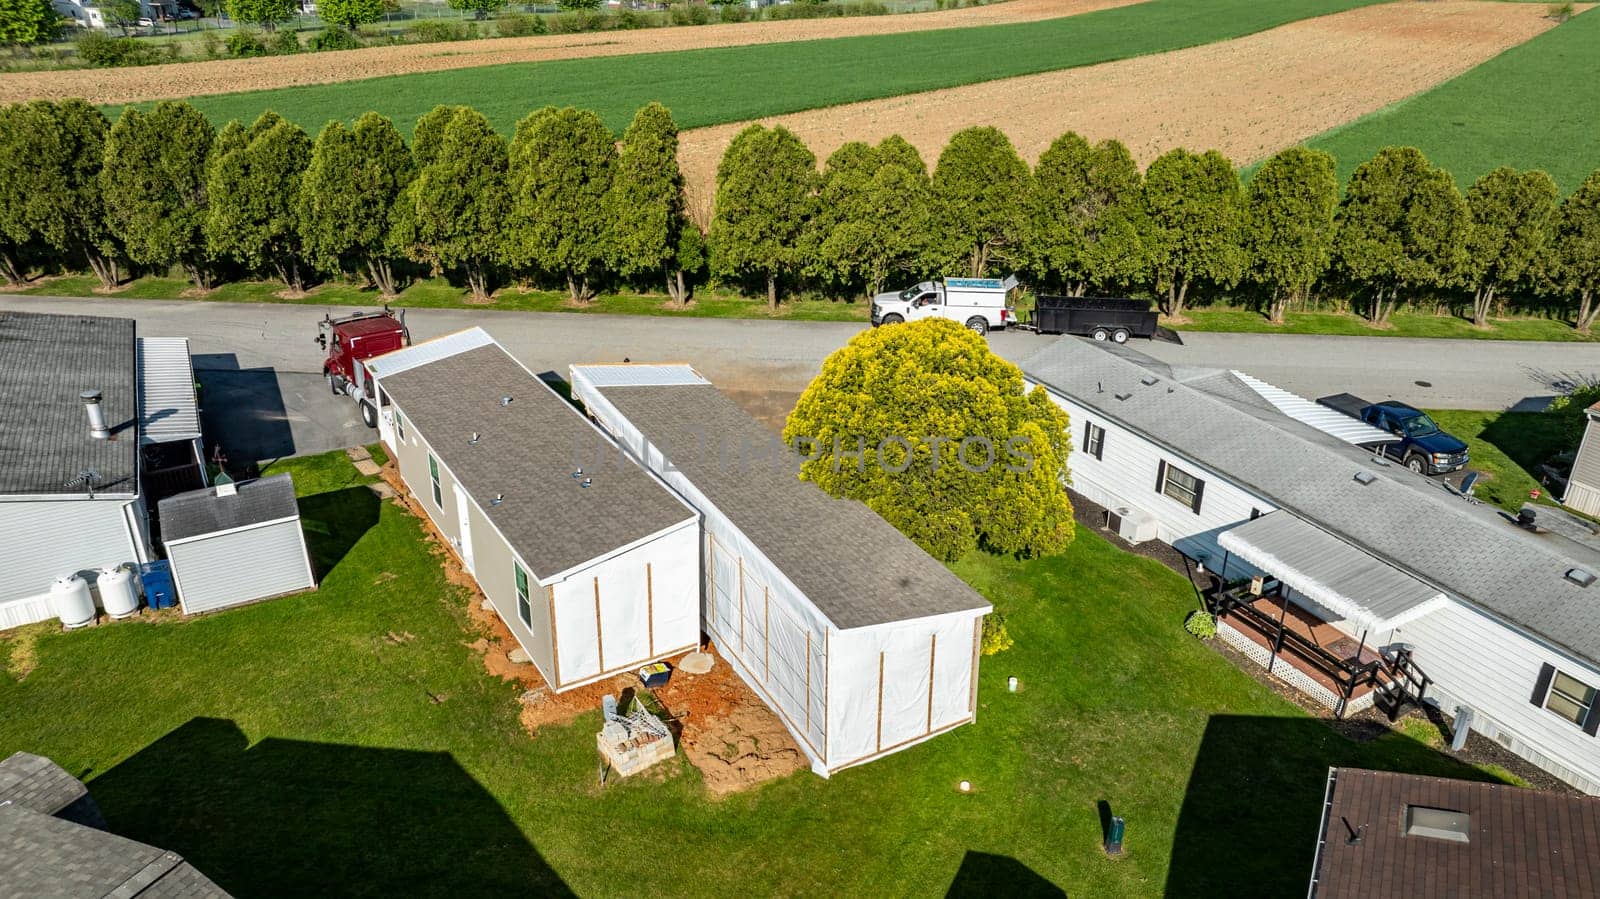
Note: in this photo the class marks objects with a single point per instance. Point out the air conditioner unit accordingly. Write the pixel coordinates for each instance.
(1135, 525)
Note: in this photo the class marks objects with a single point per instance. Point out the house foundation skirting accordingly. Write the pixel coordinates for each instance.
(1289, 674)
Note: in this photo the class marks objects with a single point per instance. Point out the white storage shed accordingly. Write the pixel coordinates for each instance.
(861, 642)
(234, 544)
(594, 570)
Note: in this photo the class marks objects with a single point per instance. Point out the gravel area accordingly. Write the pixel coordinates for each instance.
(1246, 97)
(190, 79)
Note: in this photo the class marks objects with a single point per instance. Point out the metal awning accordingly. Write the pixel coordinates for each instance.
(1328, 421)
(168, 410)
(1330, 572)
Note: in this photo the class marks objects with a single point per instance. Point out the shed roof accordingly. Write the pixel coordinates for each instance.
(1520, 842)
(35, 782)
(168, 409)
(46, 361)
(1330, 571)
(1417, 525)
(45, 856)
(226, 507)
(853, 566)
(526, 453)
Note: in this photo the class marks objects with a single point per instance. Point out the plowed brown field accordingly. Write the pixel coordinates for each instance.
(1247, 97)
(191, 79)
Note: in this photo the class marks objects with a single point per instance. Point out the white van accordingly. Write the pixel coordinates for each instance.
(978, 303)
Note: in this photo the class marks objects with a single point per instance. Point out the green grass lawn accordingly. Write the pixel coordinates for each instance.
(347, 741)
(1402, 324)
(1533, 106)
(707, 87)
(440, 294)
(1507, 447)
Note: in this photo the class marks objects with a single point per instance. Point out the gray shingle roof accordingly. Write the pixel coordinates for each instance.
(34, 782)
(1469, 551)
(204, 512)
(854, 566)
(46, 361)
(526, 452)
(41, 856)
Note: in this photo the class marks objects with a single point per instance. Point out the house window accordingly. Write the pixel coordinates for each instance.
(524, 608)
(1570, 698)
(400, 425)
(1094, 439)
(433, 474)
(1438, 824)
(1180, 485)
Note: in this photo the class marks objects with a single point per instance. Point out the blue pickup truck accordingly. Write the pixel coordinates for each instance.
(1423, 446)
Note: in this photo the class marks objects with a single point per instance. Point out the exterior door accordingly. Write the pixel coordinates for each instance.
(464, 522)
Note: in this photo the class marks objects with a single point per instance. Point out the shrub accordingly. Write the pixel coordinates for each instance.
(996, 639)
(519, 24)
(1201, 623)
(430, 31)
(283, 43)
(692, 14)
(578, 22)
(243, 44)
(335, 39)
(1560, 11)
(99, 49)
(1568, 411)
(733, 12)
(211, 45)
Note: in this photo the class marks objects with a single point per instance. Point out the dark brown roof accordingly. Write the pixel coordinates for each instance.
(854, 566)
(1521, 842)
(526, 452)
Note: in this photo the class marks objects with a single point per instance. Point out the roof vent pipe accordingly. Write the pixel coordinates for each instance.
(97, 415)
(505, 400)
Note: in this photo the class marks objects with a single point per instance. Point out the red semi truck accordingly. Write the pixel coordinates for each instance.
(350, 342)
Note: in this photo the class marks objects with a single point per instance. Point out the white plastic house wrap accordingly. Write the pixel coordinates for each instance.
(862, 643)
(595, 572)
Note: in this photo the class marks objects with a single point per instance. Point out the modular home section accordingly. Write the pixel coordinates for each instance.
(861, 642)
(594, 569)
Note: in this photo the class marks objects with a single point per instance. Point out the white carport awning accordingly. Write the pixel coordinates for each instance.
(168, 410)
(1328, 571)
(1324, 419)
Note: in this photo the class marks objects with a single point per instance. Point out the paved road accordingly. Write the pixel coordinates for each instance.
(263, 388)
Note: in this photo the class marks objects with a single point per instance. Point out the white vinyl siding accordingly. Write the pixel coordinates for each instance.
(1583, 490)
(41, 541)
(1478, 662)
(1128, 471)
(235, 567)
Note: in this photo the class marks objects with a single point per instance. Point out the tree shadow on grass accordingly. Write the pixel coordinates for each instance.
(983, 874)
(335, 521)
(296, 818)
(1249, 821)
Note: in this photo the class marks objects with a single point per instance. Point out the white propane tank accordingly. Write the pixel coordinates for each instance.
(70, 599)
(117, 594)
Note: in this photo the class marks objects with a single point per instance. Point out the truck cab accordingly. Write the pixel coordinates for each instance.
(977, 303)
(349, 342)
(1423, 446)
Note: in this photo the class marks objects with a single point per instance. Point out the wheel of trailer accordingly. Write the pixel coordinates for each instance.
(892, 319)
(978, 325)
(1120, 335)
(1414, 462)
(369, 414)
(1100, 334)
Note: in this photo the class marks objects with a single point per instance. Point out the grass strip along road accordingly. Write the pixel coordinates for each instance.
(713, 86)
(1533, 107)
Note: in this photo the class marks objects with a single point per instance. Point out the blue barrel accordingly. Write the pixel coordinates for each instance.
(157, 579)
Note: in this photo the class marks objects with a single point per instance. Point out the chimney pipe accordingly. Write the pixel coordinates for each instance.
(97, 415)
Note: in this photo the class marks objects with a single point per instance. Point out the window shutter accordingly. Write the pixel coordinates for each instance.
(1547, 673)
(1199, 491)
(1100, 448)
(1161, 475)
(1088, 431)
(1591, 724)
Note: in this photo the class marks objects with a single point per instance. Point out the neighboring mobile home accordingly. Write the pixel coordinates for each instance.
(1583, 486)
(1377, 584)
(861, 642)
(594, 573)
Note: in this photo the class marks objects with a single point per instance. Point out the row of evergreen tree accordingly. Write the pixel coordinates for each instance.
(564, 202)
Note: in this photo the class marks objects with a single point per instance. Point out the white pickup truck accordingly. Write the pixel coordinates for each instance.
(978, 303)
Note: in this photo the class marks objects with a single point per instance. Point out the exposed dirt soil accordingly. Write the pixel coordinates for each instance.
(721, 726)
(1247, 97)
(189, 79)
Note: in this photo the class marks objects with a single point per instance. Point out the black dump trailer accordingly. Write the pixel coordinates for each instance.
(1103, 318)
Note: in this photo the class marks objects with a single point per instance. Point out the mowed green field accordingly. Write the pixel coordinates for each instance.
(1533, 106)
(707, 87)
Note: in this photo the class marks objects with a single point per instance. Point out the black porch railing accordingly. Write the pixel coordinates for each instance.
(1347, 674)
